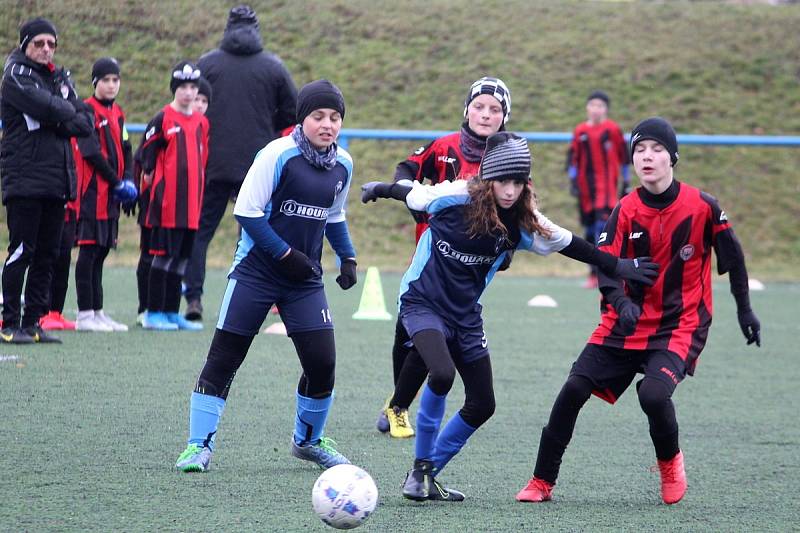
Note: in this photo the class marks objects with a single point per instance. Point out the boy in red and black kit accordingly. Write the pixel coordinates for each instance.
(173, 159)
(597, 156)
(104, 164)
(658, 331)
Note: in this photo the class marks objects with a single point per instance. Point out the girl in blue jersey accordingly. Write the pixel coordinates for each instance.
(294, 193)
(473, 226)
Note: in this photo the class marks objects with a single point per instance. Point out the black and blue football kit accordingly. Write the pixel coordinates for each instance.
(286, 205)
(440, 291)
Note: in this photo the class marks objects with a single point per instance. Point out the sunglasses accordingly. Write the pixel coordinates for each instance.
(39, 43)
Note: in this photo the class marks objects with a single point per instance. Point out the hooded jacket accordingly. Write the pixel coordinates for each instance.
(40, 112)
(254, 99)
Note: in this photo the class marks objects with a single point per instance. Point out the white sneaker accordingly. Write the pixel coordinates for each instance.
(87, 321)
(100, 316)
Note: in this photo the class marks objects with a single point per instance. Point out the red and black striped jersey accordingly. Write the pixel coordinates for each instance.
(677, 309)
(175, 150)
(597, 151)
(108, 141)
(438, 161)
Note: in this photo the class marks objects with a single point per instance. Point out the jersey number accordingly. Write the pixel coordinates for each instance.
(326, 315)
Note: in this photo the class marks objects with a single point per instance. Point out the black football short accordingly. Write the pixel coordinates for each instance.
(611, 370)
(172, 242)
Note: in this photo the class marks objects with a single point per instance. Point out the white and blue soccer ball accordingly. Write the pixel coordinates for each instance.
(344, 496)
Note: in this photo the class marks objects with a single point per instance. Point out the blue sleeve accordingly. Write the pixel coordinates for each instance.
(263, 235)
(339, 237)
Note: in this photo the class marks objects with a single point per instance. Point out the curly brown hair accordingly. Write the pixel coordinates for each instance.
(481, 212)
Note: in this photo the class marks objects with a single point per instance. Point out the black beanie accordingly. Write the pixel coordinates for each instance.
(183, 72)
(507, 157)
(317, 95)
(659, 130)
(600, 95)
(103, 67)
(204, 88)
(34, 27)
(241, 15)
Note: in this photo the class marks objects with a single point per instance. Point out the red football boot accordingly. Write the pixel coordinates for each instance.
(537, 490)
(54, 321)
(673, 479)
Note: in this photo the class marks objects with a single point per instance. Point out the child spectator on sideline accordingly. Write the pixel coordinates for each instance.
(104, 165)
(203, 98)
(173, 158)
(593, 165)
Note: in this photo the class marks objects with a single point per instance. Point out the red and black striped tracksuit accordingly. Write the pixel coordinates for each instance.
(175, 150)
(597, 151)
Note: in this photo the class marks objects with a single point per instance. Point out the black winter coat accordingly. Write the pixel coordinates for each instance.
(253, 99)
(40, 112)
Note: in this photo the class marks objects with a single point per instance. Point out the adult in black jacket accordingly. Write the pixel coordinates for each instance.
(40, 112)
(254, 99)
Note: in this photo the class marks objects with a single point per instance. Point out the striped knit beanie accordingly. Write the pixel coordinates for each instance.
(507, 157)
(496, 88)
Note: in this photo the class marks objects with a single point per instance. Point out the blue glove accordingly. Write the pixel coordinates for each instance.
(572, 172)
(125, 191)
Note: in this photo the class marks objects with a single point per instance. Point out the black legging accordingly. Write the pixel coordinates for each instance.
(654, 398)
(479, 401)
(164, 288)
(60, 283)
(315, 349)
(89, 276)
(409, 373)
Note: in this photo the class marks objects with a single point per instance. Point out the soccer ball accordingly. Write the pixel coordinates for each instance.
(344, 496)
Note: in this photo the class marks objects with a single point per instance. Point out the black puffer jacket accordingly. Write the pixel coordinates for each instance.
(254, 99)
(40, 112)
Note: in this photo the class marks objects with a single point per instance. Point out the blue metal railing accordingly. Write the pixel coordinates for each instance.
(347, 134)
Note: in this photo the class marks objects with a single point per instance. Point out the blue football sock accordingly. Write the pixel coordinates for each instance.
(309, 422)
(204, 414)
(452, 438)
(429, 418)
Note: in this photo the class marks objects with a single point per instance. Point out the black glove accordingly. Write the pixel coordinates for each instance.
(506, 261)
(129, 208)
(629, 314)
(373, 190)
(641, 270)
(750, 325)
(296, 266)
(347, 276)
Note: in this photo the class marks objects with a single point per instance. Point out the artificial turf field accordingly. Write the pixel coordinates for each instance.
(91, 429)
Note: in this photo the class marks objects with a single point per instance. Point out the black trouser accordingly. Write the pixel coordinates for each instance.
(315, 349)
(215, 199)
(60, 284)
(89, 277)
(34, 234)
(654, 399)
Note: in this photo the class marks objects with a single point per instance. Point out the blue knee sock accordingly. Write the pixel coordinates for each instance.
(429, 418)
(309, 423)
(452, 438)
(204, 414)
